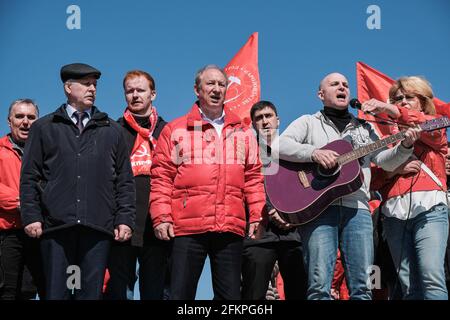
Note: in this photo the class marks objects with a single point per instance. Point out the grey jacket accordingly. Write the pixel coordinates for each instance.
(310, 132)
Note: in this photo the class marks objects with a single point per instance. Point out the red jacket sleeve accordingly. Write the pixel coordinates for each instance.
(434, 139)
(162, 177)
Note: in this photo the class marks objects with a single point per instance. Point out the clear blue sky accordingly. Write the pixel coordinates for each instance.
(299, 43)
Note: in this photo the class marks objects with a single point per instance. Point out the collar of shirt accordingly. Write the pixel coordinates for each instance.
(216, 123)
(15, 146)
(71, 110)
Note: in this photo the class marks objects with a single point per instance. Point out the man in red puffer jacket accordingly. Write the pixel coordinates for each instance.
(206, 169)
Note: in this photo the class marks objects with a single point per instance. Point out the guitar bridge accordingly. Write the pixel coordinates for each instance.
(303, 179)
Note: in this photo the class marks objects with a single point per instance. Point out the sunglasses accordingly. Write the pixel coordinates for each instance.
(400, 98)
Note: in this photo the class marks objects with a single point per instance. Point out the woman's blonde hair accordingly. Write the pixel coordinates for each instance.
(418, 86)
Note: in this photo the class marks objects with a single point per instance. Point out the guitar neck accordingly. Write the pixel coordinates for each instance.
(430, 125)
(365, 150)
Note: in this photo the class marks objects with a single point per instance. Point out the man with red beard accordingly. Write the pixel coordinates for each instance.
(17, 250)
(142, 127)
(205, 170)
(347, 222)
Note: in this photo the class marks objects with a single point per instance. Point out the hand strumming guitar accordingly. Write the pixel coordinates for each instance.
(325, 158)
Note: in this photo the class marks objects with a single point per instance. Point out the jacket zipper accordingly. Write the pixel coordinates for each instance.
(185, 198)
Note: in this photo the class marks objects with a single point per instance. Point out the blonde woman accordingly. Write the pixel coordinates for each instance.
(414, 195)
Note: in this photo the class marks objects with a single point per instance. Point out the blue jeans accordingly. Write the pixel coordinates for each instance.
(352, 230)
(418, 248)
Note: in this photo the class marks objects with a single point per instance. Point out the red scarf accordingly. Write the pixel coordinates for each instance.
(144, 145)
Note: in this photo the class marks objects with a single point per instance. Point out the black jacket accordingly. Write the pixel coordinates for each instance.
(70, 179)
(144, 227)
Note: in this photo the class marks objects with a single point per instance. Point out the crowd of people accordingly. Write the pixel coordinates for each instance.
(78, 189)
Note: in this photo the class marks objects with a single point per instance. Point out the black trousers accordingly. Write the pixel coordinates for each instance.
(257, 266)
(21, 274)
(188, 258)
(152, 257)
(75, 247)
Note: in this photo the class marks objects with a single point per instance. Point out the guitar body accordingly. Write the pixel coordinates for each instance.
(300, 198)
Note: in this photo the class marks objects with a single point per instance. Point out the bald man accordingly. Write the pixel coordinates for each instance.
(347, 222)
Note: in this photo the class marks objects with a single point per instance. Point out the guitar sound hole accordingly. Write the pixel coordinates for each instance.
(328, 172)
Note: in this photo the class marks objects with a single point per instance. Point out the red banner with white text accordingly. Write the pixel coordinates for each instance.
(244, 87)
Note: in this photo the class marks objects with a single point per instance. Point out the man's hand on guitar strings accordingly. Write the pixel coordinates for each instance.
(325, 158)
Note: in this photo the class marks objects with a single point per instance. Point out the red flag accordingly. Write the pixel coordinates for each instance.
(371, 83)
(244, 88)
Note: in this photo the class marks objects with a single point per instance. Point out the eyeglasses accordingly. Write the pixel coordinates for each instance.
(400, 98)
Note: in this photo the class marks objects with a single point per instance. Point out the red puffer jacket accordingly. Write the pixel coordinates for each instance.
(9, 185)
(431, 149)
(200, 182)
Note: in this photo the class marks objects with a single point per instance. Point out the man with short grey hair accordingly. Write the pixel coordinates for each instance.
(201, 179)
(18, 253)
(77, 190)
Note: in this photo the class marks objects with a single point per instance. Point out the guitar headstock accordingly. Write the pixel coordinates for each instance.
(434, 124)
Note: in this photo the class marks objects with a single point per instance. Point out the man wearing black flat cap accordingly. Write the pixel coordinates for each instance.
(77, 189)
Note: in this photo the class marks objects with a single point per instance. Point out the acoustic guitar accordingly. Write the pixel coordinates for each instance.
(300, 192)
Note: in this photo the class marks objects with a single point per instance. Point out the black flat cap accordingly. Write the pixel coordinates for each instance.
(78, 71)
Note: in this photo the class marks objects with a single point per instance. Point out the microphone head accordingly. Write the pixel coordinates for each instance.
(354, 103)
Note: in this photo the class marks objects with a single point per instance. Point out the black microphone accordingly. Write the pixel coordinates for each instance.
(355, 104)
